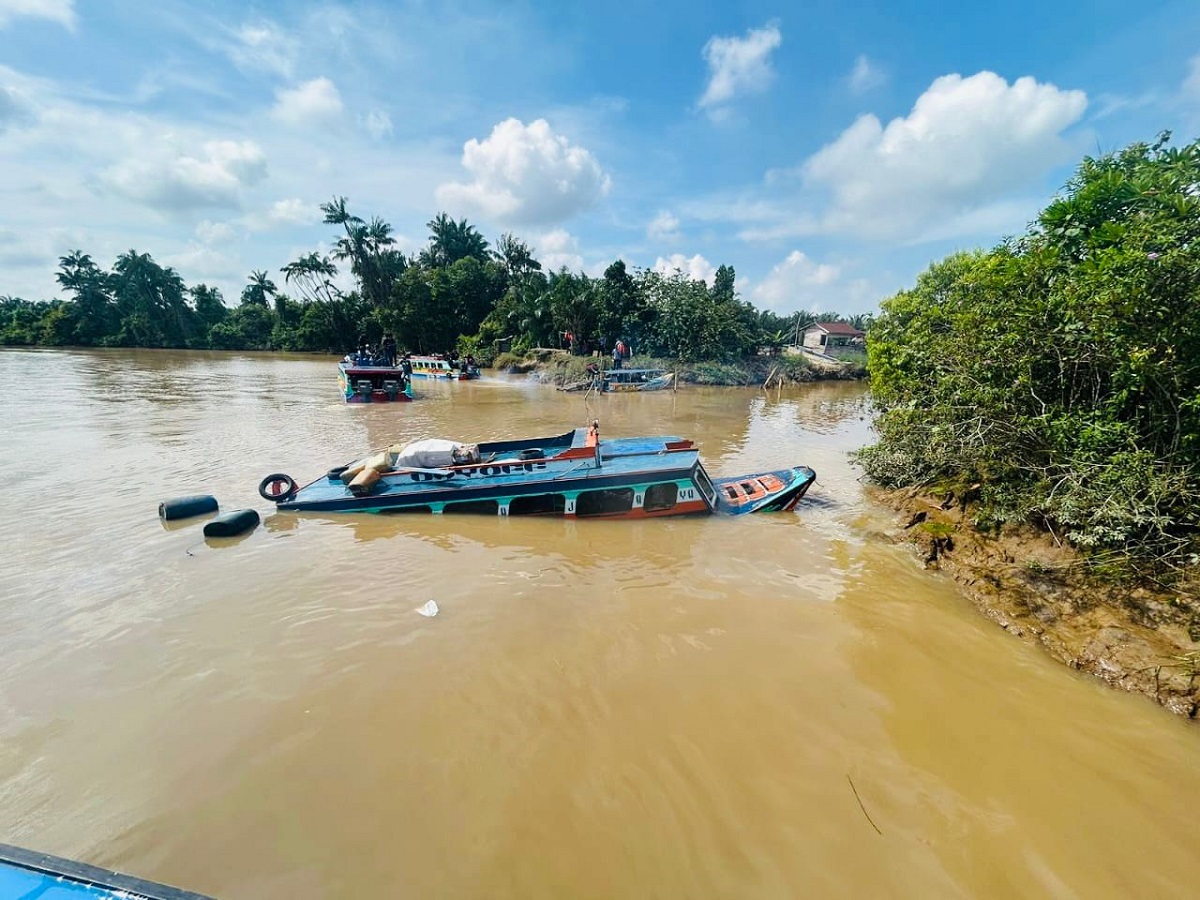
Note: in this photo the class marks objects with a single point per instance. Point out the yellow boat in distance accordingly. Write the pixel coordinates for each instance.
(442, 369)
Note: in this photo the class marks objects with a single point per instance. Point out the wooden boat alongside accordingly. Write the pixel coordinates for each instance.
(362, 381)
(27, 874)
(573, 475)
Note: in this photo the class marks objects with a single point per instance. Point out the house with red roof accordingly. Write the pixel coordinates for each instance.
(825, 336)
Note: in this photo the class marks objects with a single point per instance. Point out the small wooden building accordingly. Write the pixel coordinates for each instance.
(825, 336)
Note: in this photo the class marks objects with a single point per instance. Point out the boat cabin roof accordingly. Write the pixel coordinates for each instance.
(369, 371)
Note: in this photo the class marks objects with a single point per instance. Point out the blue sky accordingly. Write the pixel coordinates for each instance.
(828, 151)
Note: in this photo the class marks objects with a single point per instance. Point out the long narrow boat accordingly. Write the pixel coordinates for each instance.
(441, 369)
(365, 382)
(26, 874)
(621, 380)
(574, 475)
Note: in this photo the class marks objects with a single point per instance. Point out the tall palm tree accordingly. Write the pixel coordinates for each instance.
(96, 313)
(450, 241)
(368, 249)
(516, 256)
(260, 287)
(313, 276)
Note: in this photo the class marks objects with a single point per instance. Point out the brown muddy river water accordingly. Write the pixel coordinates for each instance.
(666, 708)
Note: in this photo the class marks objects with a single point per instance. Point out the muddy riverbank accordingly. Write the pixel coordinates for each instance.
(558, 368)
(1131, 637)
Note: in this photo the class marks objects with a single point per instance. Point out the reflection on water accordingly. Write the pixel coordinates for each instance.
(668, 708)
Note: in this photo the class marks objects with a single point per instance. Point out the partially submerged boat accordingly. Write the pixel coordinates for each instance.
(619, 380)
(363, 381)
(622, 380)
(27, 874)
(573, 475)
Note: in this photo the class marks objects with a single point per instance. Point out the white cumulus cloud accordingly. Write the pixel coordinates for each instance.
(526, 174)
(665, 226)
(294, 211)
(61, 11)
(214, 232)
(738, 66)
(557, 249)
(263, 46)
(695, 267)
(865, 75)
(311, 103)
(170, 180)
(801, 283)
(966, 143)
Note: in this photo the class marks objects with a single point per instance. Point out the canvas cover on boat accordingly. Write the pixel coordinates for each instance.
(434, 453)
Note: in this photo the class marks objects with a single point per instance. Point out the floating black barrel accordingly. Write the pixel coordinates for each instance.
(232, 523)
(185, 507)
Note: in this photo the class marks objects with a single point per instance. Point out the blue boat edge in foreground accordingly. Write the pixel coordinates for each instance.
(27, 873)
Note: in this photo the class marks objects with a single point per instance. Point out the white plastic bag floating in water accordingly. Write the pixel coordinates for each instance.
(430, 609)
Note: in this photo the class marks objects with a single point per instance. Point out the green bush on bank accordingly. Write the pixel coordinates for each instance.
(560, 367)
(1060, 371)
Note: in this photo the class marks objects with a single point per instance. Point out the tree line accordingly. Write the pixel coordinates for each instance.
(458, 292)
(1058, 374)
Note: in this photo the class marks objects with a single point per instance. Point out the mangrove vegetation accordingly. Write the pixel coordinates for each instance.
(1055, 378)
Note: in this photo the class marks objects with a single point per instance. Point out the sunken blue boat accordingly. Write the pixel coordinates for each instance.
(26, 874)
(573, 475)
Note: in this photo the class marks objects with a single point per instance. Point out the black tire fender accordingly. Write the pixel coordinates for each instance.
(277, 488)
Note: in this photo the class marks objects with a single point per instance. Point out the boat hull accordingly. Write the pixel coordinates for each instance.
(438, 369)
(616, 381)
(374, 384)
(572, 475)
(26, 874)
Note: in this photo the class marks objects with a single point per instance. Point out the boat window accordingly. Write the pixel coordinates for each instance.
(397, 510)
(599, 503)
(661, 496)
(537, 505)
(484, 507)
(705, 484)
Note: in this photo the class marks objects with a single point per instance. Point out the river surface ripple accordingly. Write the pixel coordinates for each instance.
(672, 708)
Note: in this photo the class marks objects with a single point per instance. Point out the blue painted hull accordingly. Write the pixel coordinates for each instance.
(26, 874)
(373, 384)
(572, 475)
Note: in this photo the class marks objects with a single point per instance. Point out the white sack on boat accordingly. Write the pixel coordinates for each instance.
(435, 453)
